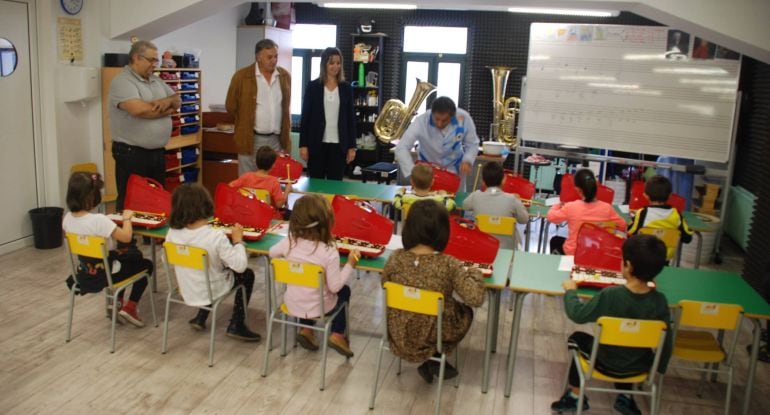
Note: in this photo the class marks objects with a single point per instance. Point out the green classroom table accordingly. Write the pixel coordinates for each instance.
(539, 274)
(367, 191)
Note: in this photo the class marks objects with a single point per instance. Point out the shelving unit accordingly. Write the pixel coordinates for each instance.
(367, 97)
(190, 139)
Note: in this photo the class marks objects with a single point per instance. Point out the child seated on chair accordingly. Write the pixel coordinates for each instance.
(421, 180)
(493, 201)
(84, 194)
(643, 258)
(191, 209)
(659, 214)
(578, 212)
(261, 179)
(421, 264)
(310, 240)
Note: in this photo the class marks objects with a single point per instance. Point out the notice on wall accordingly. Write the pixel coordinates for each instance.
(70, 39)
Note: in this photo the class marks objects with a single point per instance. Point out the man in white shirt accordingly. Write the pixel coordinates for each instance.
(447, 137)
(258, 99)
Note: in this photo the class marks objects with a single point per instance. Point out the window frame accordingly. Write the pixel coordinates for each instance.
(433, 60)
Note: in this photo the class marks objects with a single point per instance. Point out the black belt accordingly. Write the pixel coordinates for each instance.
(129, 147)
(266, 135)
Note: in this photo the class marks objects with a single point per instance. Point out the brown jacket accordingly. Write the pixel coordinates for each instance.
(241, 103)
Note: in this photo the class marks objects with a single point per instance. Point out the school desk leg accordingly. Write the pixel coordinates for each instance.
(268, 288)
(494, 307)
(155, 267)
(514, 341)
(527, 234)
(698, 249)
(752, 366)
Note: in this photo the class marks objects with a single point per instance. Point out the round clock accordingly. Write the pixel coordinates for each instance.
(72, 7)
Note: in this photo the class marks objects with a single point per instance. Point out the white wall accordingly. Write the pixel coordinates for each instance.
(215, 37)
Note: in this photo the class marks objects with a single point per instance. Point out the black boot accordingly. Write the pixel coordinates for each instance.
(238, 330)
(198, 323)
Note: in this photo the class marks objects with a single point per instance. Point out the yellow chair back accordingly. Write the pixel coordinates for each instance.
(297, 273)
(185, 256)
(669, 236)
(415, 300)
(496, 225)
(709, 315)
(85, 167)
(626, 332)
(87, 245)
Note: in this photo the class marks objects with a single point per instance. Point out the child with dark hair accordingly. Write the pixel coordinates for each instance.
(310, 241)
(261, 179)
(421, 264)
(659, 214)
(493, 201)
(644, 256)
(191, 209)
(578, 212)
(83, 195)
(422, 180)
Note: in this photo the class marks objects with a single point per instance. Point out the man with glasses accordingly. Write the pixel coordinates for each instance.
(140, 109)
(258, 99)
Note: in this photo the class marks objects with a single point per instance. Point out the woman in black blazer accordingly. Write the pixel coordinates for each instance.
(328, 148)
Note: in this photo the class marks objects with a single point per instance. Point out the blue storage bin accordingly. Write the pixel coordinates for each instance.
(190, 108)
(190, 75)
(190, 174)
(189, 129)
(190, 97)
(189, 155)
(189, 86)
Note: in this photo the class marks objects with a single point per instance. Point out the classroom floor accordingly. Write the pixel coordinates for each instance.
(40, 373)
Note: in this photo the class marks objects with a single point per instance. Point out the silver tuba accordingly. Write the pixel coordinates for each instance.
(504, 113)
(395, 116)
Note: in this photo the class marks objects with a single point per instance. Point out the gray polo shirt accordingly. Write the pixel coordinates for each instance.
(127, 129)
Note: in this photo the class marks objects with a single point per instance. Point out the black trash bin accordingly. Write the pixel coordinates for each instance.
(46, 227)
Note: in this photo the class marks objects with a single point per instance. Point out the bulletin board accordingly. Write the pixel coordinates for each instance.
(629, 88)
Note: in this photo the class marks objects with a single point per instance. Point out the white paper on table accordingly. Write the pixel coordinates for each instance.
(394, 243)
(623, 208)
(566, 262)
(281, 229)
(552, 201)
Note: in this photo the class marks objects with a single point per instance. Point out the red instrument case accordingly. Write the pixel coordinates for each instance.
(598, 254)
(145, 196)
(356, 222)
(284, 165)
(443, 179)
(468, 243)
(235, 206)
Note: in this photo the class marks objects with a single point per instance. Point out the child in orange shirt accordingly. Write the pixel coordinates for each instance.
(261, 179)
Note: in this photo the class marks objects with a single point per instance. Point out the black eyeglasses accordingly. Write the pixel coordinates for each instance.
(153, 60)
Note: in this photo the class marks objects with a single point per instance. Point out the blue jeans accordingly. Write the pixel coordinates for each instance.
(340, 322)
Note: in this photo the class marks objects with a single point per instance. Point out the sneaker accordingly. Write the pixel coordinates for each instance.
(306, 339)
(198, 323)
(425, 372)
(626, 405)
(450, 372)
(339, 343)
(568, 404)
(241, 332)
(129, 314)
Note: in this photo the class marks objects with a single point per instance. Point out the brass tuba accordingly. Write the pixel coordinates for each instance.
(504, 113)
(395, 116)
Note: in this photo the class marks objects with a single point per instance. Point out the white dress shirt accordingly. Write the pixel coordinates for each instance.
(269, 97)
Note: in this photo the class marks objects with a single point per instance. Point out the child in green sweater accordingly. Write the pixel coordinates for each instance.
(643, 258)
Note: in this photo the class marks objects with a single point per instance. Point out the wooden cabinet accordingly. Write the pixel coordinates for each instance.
(220, 154)
(184, 146)
(248, 36)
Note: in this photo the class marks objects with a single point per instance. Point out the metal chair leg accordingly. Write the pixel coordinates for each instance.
(164, 343)
(213, 330)
(729, 394)
(152, 300)
(377, 373)
(69, 314)
(269, 342)
(441, 368)
(114, 320)
(324, 352)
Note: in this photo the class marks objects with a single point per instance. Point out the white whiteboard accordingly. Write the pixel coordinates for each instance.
(615, 87)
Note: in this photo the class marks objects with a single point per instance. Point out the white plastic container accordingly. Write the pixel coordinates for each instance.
(493, 148)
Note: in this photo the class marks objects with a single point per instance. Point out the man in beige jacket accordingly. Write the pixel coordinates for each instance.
(258, 99)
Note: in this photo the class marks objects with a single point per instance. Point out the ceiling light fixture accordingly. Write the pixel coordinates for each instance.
(389, 6)
(565, 12)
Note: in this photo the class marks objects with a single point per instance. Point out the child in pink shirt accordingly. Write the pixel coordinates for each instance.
(310, 241)
(578, 212)
(261, 179)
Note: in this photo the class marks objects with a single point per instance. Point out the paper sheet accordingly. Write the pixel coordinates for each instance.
(281, 229)
(566, 262)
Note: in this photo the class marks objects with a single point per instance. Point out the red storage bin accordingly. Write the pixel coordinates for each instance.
(358, 226)
(172, 160)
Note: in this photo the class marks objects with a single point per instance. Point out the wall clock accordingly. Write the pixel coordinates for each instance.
(72, 7)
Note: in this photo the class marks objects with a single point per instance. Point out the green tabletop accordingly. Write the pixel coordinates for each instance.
(375, 264)
(501, 270)
(535, 273)
(366, 191)
(156, 233)
(263, 245)
(699, 222)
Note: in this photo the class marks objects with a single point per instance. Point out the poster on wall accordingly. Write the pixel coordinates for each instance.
(69, 37)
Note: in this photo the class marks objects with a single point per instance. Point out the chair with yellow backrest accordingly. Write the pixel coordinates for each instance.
(305, 275)
(95, 247)
(622, 332)
(669, 236)
(497, 225)
(701, 346)
(91, 168)
(415, 300)
(195, 258)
